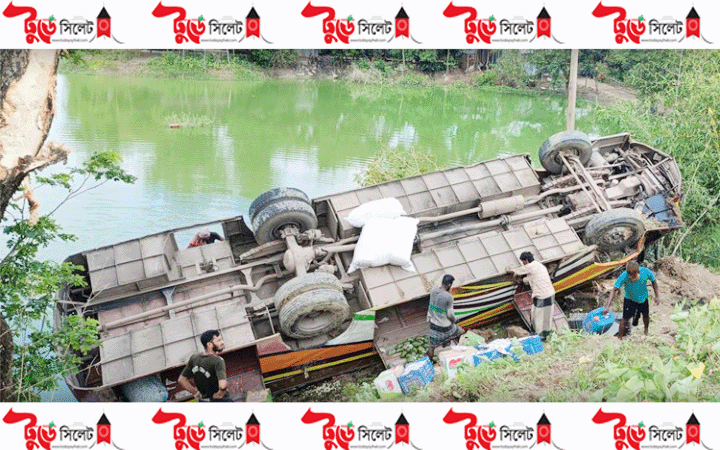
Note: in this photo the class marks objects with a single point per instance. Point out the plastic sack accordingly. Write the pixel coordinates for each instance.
(386, 208)
(148, 389)
(385, 241)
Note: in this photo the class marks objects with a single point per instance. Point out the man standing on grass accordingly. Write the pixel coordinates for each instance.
(543, 293)
(634, 279)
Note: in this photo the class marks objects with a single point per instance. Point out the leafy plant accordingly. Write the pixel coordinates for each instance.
(28, 285)
(392, 164)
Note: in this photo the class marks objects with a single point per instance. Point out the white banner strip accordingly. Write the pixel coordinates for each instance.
(301, 24)
(328, 426)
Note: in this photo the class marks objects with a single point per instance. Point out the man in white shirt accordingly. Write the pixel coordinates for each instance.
(543, 293)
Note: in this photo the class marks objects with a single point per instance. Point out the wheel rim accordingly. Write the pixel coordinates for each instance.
(276, 231)
(618, 235)
(314, 322)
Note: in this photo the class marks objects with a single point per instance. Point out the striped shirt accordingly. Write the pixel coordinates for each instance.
(440, 310)
(538, 279)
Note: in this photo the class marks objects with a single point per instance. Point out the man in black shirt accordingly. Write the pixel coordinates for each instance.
(207, 370)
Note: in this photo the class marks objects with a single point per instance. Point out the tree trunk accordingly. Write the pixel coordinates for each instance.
(27, 106)
(6, 360)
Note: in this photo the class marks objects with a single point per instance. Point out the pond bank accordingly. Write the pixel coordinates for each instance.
(220, 66)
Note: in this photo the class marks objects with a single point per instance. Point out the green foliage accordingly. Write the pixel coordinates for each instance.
(670, 373)
(392, 164)
(490, 77)
(28, 285)
(679, 115)
(511, 69)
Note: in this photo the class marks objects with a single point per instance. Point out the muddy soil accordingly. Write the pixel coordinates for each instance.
(678, 282)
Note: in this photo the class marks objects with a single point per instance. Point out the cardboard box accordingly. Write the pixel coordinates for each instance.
(387, 383)
(452, 358)
(416, 374)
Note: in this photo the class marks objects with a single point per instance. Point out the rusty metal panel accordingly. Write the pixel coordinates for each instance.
(426, 262)
(149, 361)
(392, 189)
(477, 172)
(346, 201)
(147, 337)
(117, 371)
(129, 272)
(413, 185)
(487, 187)
(444, 196)
(177, 329)
(466, 193)
(508, 182)
(470, 260)
(152, 245)
(434, 180)
(155, 265)
(102, 279)
(178, 353)
(369, 194)
(422, 201)
(100, 259)
(457, 175)
(116, 347)
(205, 320)
(127, 251)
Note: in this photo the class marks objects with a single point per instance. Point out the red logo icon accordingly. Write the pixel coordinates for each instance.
(633, 434)
(35, 435)
(35, 30)
(185, 436)
(334, 435)
(334, 29)
(185, 30)
(630, 29)
(475, 435)
(475, 29)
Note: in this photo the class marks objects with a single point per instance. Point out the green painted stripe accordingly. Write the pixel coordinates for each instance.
(437, 309)
(364, 317)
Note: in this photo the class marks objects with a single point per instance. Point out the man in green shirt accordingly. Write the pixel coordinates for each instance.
(207, 370)
(634, 279)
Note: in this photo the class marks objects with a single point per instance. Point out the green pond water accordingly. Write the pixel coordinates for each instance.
(313, 135)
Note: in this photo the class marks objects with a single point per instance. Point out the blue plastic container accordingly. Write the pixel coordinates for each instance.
(602, 324)
(485, 355)
(417, 374)
(532, 344)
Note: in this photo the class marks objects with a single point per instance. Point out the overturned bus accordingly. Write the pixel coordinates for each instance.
(278, 286)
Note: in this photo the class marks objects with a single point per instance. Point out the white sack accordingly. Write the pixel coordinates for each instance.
(385, 241)
(386, 208)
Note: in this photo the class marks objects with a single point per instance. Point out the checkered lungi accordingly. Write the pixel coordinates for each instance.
(439, 335)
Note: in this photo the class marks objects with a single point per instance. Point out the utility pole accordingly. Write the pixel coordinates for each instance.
(572, 89)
